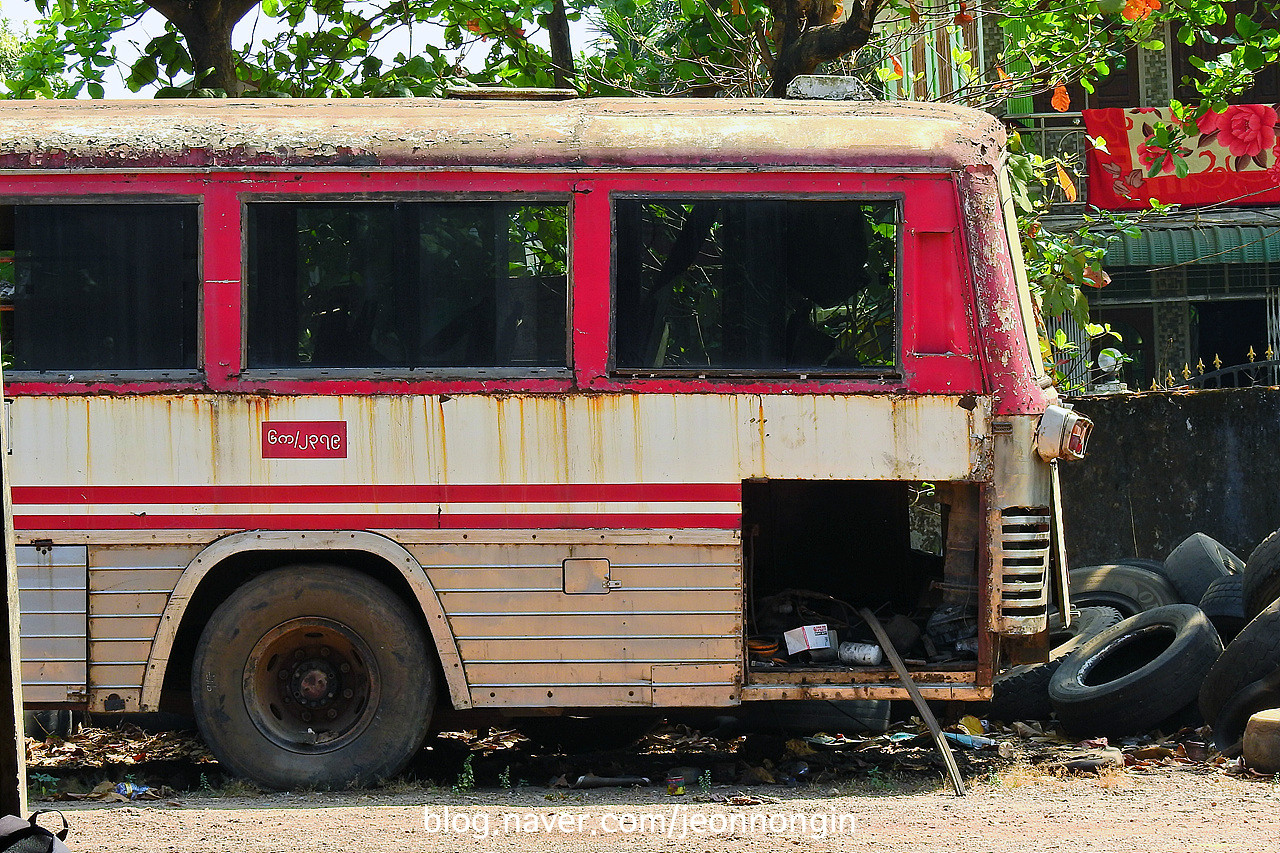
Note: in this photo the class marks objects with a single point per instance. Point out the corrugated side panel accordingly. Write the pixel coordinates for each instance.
(52, 581)
(524, 642)
(128, 590)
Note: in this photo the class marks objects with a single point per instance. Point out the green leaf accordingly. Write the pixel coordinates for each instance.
(1246, 26)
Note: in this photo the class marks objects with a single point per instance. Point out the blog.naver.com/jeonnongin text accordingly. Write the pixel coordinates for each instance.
(678, 821)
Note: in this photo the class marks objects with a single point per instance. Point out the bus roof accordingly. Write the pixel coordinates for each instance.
(588, 133)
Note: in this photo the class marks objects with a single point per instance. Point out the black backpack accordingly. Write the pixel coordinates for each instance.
(27, 836)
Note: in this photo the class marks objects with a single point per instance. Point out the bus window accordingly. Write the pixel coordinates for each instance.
(473, 284)
(756, 285)
(101, 287)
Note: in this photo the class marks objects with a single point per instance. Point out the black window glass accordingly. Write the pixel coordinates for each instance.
(99, 286)
(407, 284)
(755, 284)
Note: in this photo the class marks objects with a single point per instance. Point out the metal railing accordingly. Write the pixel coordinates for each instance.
(1257, 371)
(1060, 136)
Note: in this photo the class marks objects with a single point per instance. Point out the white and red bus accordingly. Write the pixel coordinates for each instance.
(326, 415)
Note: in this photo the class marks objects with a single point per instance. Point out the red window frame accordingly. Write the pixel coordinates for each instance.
(937, 340)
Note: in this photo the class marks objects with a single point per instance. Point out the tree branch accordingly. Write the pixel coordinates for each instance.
(812, 47)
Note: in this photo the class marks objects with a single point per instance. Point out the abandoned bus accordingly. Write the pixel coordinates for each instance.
(326, 416)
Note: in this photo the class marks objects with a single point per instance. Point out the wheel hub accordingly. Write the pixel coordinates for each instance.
(311, 685)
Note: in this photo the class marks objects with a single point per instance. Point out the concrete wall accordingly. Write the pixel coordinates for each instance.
(1163, 465)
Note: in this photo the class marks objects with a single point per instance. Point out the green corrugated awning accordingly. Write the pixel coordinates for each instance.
(1214, 244)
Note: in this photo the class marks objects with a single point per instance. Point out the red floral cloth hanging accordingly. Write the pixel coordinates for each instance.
(1233, 157)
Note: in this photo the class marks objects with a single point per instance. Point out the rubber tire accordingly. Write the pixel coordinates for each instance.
(1156, 566)
(1198, 561)
(1022, 692)
(401, 678)
(1136, 674)
(1232, 720)
(1223, 603)
(1128, 588)
(1262, 576)
(1253, 655)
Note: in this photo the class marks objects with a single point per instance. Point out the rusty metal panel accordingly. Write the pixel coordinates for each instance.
(629, 461)
(129, 587)
(610, 626)
(522, 638)
(52, 584)
(586, 576)
(593, 695)
(586, 649)
(696, 685)
(105, 629)
(932, 692)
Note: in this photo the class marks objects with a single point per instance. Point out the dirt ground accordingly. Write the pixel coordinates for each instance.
(1019, 809)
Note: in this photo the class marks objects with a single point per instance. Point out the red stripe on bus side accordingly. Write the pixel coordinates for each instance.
(370, 493)
(461, 521)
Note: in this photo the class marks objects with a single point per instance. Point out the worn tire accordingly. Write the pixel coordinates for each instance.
(1232, 720)
(1022, 692)
(1262, 576)
(1253, 655)
(1198, 561)
(1223, 603)
(1128, 588)
(313, 676)
(1136, 674)
(1156, 566)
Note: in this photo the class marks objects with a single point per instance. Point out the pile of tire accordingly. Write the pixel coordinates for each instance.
(1145, 638)
(1246, 677)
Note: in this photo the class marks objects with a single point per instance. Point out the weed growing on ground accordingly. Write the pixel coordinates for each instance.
(466, 777)
(41, 786)
(504, 777)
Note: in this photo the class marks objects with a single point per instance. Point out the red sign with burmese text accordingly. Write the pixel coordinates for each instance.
(304, 440)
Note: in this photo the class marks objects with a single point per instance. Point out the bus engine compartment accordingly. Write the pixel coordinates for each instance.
(817, 551)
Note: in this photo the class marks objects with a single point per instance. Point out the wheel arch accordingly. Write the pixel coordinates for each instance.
(220, 568)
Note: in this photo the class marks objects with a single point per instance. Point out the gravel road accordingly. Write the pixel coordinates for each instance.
(1165, 810)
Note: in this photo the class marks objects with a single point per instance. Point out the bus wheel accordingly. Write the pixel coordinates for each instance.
(313, 676)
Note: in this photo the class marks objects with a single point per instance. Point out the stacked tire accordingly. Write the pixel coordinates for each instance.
(1137, 675)
(1145, 671)
(1022, 692)
(1246, 678)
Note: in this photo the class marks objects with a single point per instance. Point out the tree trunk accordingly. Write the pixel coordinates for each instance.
(206, 26)
(561, 49)
(805, 47)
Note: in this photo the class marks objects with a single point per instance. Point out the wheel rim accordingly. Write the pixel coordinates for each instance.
(311, 685)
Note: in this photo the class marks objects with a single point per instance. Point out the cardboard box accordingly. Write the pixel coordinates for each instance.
(807, 638)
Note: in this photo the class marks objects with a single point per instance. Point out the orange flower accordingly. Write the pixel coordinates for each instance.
(1136, 10)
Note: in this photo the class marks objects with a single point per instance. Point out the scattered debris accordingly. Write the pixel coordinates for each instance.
(94, 747)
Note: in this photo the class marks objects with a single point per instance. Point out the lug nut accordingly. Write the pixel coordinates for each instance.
(306, 716)
(348, 693)
(324, 651)
(331, 713)
(344, 667)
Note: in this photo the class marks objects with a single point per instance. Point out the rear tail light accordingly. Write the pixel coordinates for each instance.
(1062, 434)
